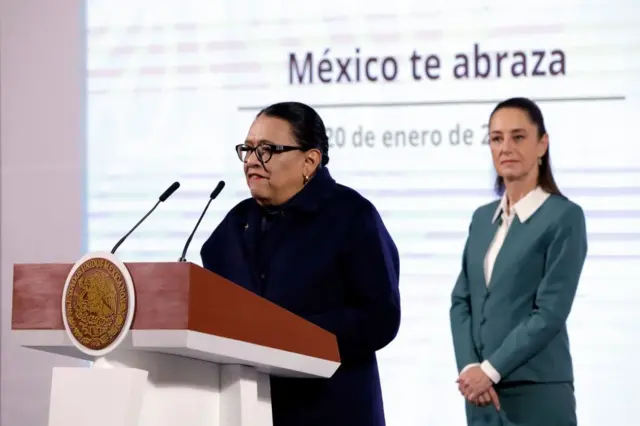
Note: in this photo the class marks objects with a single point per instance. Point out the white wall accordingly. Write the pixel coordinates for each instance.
(42, 66)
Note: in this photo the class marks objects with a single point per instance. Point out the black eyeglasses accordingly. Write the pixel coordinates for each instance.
(264, 151)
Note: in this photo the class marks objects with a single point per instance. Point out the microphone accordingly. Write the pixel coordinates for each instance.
(212, 197)
(166, 194)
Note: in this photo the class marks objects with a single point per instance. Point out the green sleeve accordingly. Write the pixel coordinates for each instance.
(460, 318)
(564, 261)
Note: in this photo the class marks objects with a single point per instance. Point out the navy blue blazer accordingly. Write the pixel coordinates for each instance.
(326, 256)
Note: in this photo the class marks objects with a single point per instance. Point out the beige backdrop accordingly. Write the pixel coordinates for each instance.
(42, 70)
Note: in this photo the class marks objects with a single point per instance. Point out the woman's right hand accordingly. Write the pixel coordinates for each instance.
(488, 398)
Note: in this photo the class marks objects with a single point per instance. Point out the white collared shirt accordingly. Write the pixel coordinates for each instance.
(524, 209)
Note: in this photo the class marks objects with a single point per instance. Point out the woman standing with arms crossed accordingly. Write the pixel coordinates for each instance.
(520, 270)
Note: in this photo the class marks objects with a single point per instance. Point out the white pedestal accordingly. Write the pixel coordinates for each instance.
(136, 388)
(82, 396)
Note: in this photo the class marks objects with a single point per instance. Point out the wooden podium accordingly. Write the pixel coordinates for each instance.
(199, 351)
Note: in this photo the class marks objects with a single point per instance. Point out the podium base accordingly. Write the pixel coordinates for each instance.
(134, 388)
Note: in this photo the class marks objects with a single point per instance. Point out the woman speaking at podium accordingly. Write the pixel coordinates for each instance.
(520, 270)
(319, 250)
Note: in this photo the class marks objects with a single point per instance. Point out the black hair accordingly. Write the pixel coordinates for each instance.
(545, 175)
(306, 125)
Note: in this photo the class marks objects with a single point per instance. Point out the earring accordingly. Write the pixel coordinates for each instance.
(539, 161)
(305, 179)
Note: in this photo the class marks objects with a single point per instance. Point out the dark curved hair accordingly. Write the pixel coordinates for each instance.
(545, 175)
(307, 126)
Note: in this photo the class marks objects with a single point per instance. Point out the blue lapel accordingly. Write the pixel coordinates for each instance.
(250, 234)
(305, 202)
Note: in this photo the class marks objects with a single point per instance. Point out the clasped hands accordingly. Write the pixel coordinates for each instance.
(477, 387)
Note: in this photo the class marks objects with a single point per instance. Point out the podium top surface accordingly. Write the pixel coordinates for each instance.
(175, 296)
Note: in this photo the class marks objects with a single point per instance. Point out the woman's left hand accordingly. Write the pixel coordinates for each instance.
(473, 383)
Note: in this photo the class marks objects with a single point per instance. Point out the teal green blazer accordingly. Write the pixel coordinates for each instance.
(518, 322)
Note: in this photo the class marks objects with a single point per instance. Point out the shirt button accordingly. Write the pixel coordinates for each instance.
(262, 276)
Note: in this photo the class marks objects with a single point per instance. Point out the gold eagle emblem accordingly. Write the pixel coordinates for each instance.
(96, 303)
